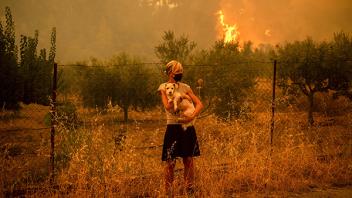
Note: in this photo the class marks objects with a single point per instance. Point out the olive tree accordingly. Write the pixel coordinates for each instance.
(339, 60)
(173, 48)
(124, 80)
(303, 63)
(228, 77)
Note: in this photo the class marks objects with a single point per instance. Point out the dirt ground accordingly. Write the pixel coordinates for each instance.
(343, 192)
(333, 192)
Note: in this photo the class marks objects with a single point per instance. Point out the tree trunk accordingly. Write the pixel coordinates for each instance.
(26, 97)
(310, 108)
(125, 114)
(3, 106)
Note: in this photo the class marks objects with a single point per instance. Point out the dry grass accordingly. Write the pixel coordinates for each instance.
(236, 158)
(23, 148)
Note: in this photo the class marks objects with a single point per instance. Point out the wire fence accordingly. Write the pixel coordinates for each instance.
(231, 90)
(244, 87)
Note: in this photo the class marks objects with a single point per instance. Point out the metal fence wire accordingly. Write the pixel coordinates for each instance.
(229, 91)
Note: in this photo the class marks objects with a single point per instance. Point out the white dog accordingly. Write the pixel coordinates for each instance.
(182, 102)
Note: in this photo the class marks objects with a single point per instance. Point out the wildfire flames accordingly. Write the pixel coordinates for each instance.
(229, 33)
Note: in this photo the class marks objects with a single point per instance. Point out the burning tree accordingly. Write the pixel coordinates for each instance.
(230, 32)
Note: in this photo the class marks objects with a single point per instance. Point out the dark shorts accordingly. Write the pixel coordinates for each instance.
(179, 142)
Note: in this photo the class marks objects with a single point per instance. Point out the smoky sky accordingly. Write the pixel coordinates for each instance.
(102, 28)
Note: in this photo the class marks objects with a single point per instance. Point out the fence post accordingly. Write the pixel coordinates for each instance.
(273, 106)
(53, 124)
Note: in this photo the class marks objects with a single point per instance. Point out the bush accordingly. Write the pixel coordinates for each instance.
(66, 116)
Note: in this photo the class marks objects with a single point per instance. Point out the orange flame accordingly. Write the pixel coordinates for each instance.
(231, 33)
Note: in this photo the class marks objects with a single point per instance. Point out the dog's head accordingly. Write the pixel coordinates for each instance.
(170, 88)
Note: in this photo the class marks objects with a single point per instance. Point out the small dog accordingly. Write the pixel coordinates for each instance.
(182, 102)
(173, 95)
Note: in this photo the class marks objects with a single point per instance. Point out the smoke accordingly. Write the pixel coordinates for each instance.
(277, 21)
(103, 28)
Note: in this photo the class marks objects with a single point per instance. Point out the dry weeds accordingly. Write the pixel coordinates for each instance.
(105, 158)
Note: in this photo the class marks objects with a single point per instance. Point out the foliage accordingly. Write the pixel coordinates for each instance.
(228, 79)
(126, 82)
(302, 62)
(29, 79)
(316, 67)
(8, 65)
(66, 115)
(52, 53)
(172, 48)
(36, 70)
(340, 64)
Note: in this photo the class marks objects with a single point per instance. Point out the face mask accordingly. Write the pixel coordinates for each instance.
(178, 77)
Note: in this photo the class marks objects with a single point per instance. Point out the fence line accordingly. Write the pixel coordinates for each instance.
(187, 65)
(159, 63)
(273, 106)
(24, 129)
(53, 125)
(54, 103)
(196, 65)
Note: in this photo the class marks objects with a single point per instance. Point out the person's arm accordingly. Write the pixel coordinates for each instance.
(198, 107)
(198, 104)
(168, 105)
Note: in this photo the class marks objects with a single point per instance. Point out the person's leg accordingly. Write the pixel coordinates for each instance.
(188, 172)
(169, 175)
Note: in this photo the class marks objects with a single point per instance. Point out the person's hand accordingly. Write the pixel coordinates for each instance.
(168, 103)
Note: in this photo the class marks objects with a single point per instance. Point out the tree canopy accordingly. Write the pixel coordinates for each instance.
(9, 87)
(173, 48)
(27, 79)
(125, 81)
(317, 67)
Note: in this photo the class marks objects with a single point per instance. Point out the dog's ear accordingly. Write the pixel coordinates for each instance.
(175, 85)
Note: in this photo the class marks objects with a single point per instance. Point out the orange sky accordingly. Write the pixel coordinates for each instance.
(87, 28)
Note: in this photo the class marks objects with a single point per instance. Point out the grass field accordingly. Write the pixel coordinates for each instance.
(104, 157)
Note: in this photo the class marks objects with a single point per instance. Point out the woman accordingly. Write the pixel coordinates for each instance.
(179, 142)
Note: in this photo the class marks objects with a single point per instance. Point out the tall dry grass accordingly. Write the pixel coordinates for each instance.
(107, 158)
(236, 157)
